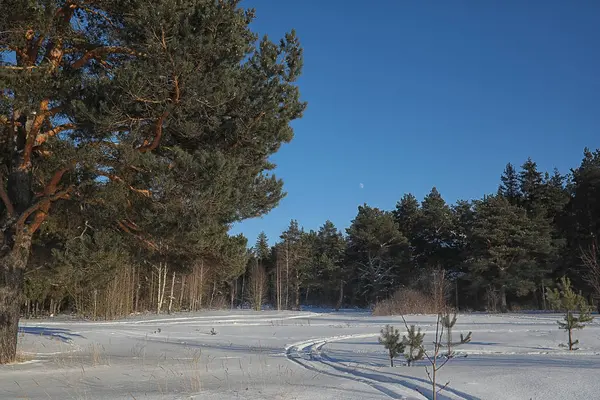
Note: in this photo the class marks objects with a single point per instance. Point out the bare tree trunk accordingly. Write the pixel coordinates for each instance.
(257, 286)
(278, 279)
(162, 283)
(171, 296)
(341, 298)
(137, 291)
(95, 304)
(287, 277)
(181, 292)
(306, 295)
(232, 292)
(544, 296)
(297, 289)
(503, 304)
(242, 294)
(212, 296)
(201, 284)
(151, 289)
(456, 293)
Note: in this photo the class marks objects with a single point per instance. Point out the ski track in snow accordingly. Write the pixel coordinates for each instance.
(309, 354)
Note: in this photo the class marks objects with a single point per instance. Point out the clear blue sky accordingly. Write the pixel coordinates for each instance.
(406, 95)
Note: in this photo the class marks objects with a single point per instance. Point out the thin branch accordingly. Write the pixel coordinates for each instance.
(443, 387)
(17, 68)
(158, 131)
(42, 137)
(98, 52)
(5, 199)
(115, 178)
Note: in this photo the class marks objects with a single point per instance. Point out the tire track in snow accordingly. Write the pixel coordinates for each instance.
(395, 387)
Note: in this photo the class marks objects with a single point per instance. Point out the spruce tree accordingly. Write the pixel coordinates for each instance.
(105, 108)
(413, 342)
(390, 339)
(509, 188)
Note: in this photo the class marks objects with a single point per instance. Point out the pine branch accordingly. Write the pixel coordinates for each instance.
(98, 52)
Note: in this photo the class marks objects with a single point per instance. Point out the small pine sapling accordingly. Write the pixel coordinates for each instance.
(390, 339)
(414, 345)
(432, 356)
(565, 299)
(448, 321)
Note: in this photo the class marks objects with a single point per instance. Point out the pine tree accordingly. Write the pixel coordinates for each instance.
(506, 248)
(413, 343)
(331, 274)
(532, 187)
(406, 215)
(434, 232)
(509, 188)
(565, 299)
(106, 109)
(448, 320)
(390, 339)
(377, 253)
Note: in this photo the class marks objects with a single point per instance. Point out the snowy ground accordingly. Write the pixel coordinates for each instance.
(293, 355)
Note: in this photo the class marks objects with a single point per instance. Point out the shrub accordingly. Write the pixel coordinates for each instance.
(406, 301)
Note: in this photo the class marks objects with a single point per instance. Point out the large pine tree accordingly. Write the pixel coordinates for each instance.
(164, 108)
(506, 249)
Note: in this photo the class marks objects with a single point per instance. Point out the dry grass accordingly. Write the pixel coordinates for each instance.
(406, 301)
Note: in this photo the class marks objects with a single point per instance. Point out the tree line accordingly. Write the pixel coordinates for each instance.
(504, 251)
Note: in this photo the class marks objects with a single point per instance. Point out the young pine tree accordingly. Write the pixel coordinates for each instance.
(390, 339)
(565, 299)
(414, 342)
(448, 321)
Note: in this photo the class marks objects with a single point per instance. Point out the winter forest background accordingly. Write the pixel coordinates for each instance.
(501, 252)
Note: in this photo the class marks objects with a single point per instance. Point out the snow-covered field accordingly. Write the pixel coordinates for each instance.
(294, 355)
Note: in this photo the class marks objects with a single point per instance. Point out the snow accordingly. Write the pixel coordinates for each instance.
(294, 355)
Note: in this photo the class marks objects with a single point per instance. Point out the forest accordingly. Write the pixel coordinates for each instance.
(501, 252)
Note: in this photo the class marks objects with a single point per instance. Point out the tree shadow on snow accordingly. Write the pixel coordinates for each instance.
(64, 335)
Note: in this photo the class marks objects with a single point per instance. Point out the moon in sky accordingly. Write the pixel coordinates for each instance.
(362, 186)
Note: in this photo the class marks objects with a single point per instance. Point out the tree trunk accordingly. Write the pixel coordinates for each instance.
(341, 298)
(544, 296)
(201, 289)
(503, 306)
(181, 292)
(243, 290)
(11, 290)
(232, 294)
(297, 300)
(570, 340)
(456, 292)
(306, 295)
(287, 277)
(171, 296)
